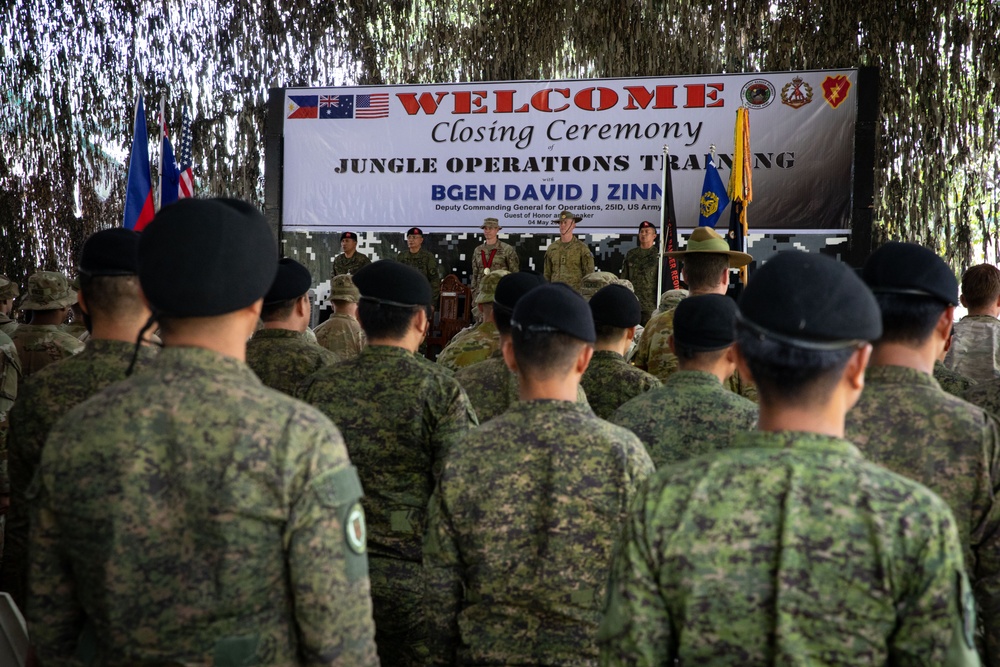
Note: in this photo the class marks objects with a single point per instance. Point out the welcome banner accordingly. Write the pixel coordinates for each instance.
(444, 156)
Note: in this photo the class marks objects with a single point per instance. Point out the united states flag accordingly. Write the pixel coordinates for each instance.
(375, 105)
(186, 185)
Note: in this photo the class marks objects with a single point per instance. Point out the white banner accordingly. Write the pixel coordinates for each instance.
(444, 156)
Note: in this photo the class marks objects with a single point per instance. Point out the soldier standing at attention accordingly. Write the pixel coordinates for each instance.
(907, 423)
(400, 415)
(975, 346)
(350, 261)
(189, 514)
(280, 354)
(523, 522)
(8, 292)
(341, 333)
(641, 266)
(43, 341)
(609, 381)
(568, 259)
(791, 547)
(693, 414)
(493, 255)
(422, 260)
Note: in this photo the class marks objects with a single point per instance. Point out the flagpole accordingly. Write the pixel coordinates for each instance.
(163, 126)
(663, 222)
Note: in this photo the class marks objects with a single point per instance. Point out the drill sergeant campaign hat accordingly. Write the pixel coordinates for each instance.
(811, 301)
(615, 305)
(110, 252)
(342, 288)
(290, 282)
(48, 290)
(705, 323)
(908, 268)
(707, 240)
(8, 289)
(392, 283)
(566, 215)
(488, 287)
(554, 308)
(206, 257)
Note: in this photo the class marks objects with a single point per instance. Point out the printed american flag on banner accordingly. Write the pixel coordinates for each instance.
(375, 105)
(186, 185)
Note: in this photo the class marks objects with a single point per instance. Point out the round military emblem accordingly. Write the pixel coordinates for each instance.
(758, 93)
(354, 529)
(486, 271)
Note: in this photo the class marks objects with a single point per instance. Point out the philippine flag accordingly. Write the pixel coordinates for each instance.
(303, 106)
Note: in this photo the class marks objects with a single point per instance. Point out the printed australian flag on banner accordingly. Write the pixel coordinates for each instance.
(336, 106)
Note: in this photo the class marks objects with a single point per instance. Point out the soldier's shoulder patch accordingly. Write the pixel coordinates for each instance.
(355, 530)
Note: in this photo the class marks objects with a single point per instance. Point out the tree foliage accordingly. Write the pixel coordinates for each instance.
(71, 69)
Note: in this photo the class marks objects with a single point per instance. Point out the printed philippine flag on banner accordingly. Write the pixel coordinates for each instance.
(139, 191)
(303, 106)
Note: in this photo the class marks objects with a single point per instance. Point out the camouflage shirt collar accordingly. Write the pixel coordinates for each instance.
(208, 361)
(798, 440)
(692, 379)
(607, 355)
(547, 405)
(278, 333)
(882, 375)
(386, 351)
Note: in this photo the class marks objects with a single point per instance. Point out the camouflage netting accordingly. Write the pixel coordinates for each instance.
(71, 69)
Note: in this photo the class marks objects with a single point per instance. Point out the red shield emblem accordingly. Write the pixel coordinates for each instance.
(835, 89)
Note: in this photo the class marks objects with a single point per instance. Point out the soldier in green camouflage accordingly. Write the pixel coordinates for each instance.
(790, 547)
(189, 514)
(641, 267)
(400, 416)
(341, 333)
(568, 259)
(523, 522)
(43, 342)
(481, 341)
(493, 255)
(609, 381)
(907, 423)
(975, 346)
(280, 354)
(110, 301)
(8, 292)
(350, 261)
(693, 413)
(421, 260)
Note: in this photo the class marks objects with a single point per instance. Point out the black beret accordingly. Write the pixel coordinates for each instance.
(204, 257)
(706, 322)
(348, 235)
(554, 308)
(907, 268)
(810, 301)
(616, 306)
(291, 282)
(512, 287)
(394, 284)
(646, 224)
(111, 252)
(414, 231)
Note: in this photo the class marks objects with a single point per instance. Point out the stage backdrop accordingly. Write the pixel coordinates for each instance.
(445, 156)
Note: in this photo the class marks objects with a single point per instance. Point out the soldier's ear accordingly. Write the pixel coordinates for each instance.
(507, 349)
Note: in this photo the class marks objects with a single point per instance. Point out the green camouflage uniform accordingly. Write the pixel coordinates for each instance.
(283, 358)
(610, 382)
(77, 330)
(568, 262)
(194, 516)
(788, 549)
(520, 536)
(7, 325)
(954, 383)
(640, 268)
(478, 344)
(45, 398)
(424, 262)
(10, 373)
(504, 259)
(399, 417)
(39, 345)
(907, 423)
(692, 414)
(975, 348)
(342, 335)
(342, 264)
(986, 395)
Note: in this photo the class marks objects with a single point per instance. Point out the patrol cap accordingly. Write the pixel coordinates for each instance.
(512, 287)
(490, 222)
(594, 281)
(342, 288)
(414, 231)
(810, 301)
(566, 215)
(349, 235)
(110, 252)
(646, 224)
(48, 290)
(205, 257)
(671, 298)
(554, 308)
(8, 288)
(908, 268)
(616, 306)
(393, 284)
(706, 322)
(290, 282)
(488, 287)
(707, 240)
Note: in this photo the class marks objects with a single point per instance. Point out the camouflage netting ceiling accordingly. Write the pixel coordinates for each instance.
(70, 71)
